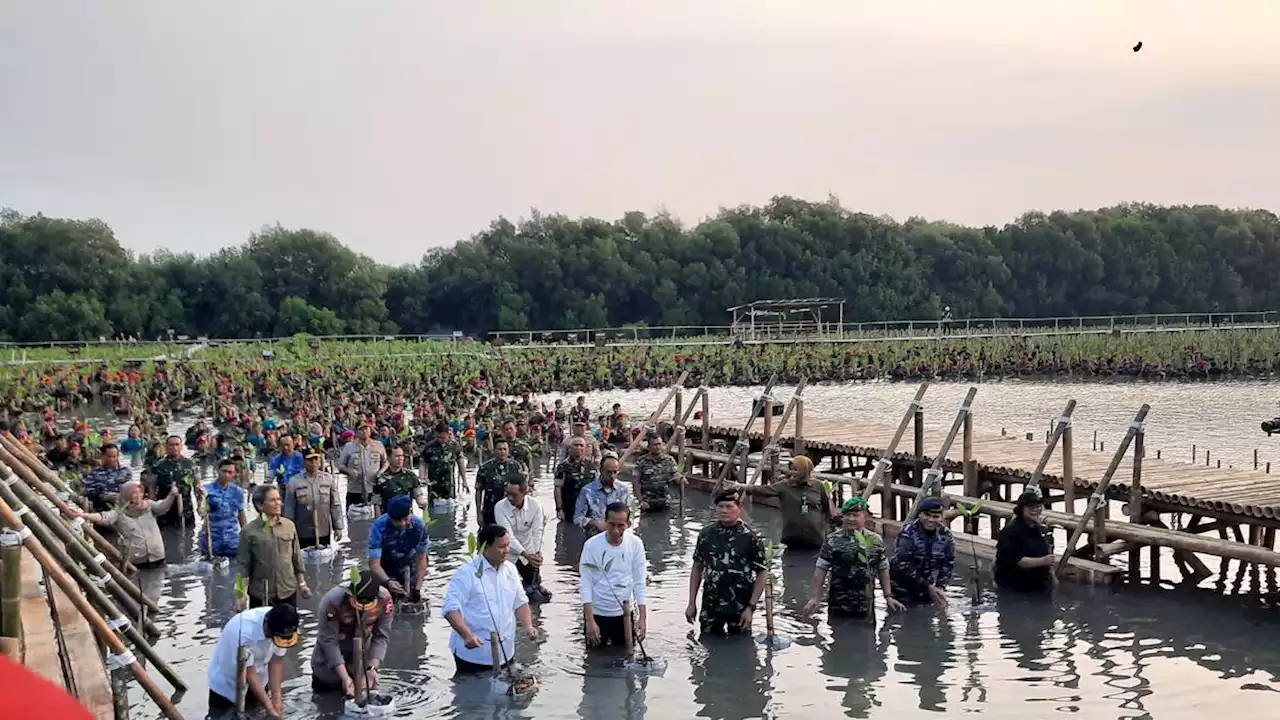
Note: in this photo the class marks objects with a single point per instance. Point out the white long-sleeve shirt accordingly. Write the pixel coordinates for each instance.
(526, 525)
(626, 570)
(487, 603)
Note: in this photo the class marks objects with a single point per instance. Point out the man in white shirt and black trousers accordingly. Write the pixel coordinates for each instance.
(611, 572)
(485, 596)
(522, 516)
(268, 632)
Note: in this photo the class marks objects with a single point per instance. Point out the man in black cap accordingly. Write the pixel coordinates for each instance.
(342, 612)
(1024, 551)
(268, 633)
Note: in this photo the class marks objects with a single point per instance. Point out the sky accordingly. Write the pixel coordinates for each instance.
(399, 126)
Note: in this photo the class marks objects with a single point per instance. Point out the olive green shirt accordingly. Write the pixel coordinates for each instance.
(270, 558)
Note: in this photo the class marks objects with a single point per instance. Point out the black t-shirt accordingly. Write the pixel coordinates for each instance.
(1018, 540)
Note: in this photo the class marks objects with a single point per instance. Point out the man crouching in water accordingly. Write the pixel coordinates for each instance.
(333, 662)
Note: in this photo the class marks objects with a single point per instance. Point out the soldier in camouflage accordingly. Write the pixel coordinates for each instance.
(492, 478)
(172, 470)
(519, 450)
(730, 557)
(653, 474)
(924, 558)
(442, 458)
(853, 556)
(575, 473)
(396, 480)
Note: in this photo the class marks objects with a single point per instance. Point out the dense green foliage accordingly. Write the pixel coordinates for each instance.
(71, 279)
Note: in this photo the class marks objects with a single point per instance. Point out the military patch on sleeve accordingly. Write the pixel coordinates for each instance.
(389, 606)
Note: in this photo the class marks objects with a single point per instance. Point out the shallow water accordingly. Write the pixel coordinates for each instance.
(1097, 653)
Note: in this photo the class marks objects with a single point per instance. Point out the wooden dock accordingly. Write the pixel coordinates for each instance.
(85, 674)
(1215, 492)
(1166, 505)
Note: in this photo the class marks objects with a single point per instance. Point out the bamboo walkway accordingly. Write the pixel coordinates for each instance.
(1246, 493)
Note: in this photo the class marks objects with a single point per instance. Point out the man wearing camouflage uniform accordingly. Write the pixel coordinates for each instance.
(653, 474)
(491, 480)
(519, 450)
(853, 556)
(730, 556)
(924, 559)
(442, 459)
(573, 474)
(172, 470)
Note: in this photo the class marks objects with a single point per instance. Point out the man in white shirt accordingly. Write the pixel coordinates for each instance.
(612, 574)
(484, 597)
(522, 516)
(268, 633)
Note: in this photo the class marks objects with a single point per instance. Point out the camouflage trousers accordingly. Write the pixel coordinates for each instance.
(720, 623)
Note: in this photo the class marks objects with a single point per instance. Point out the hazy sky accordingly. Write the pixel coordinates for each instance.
(399, 126)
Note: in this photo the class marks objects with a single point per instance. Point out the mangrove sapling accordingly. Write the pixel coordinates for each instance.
(770, 639)
(970, 512)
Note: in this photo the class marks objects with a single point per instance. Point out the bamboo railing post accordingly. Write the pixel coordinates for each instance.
(639, 440)
(1064, 421)
(970, 471)
(120, 621)
(679, 411)
(1135, 503)
(743, 445)
(934, 474)
(1100, 494)
(23, 456)
(100, 627)
(10, 594)
(797, 442)
(886, 460)
(95, 566)
(772, 439)
(357, 646)
(706, 430)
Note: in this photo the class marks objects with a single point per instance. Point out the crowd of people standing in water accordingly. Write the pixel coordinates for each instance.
(329, 448)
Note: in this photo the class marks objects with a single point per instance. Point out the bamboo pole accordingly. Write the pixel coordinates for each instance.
(1059, 427)
(743, 445)
(639, 440)
(1068, 472)
(100, 627)
(970, 471)
(917, 448)
(22, 456)
(886, 460)
(934, 474)
(797, 439)
(1100, 494)
(772, 439)
(11, 593)
(628, 632)
(357, 646)
(95, 565)
(1135, 506)
(49, 541)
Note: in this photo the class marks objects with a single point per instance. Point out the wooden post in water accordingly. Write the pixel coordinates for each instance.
(768, 419)
(917, 460)
(970, 470)
(1135, 506)
(11, 594)
(357, 646)
(706, 431)
(885, 461)
(1068, 473)
(495, 650)
(743, 445)
(679, 411)
(772, 440)
(1063, 422)
(934, 475)
(798, 442)
(628, 630)
(1100, 494)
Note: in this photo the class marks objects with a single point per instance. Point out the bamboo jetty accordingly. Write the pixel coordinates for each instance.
(1172, 510)
(70, 611)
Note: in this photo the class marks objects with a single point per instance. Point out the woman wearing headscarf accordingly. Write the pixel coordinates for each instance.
(806, 505)
(134, 520)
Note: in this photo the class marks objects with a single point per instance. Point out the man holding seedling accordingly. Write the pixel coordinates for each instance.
(172, 470)
(611, 575)
(484, 600)
(268, 633)
(853, 556)
(333, 662)
(924, 559)
(398, 545)
(730, 557)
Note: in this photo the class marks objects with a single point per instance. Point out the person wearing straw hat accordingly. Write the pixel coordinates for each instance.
(313, 503)
(268, 633)
(333, 662)
(853, 557)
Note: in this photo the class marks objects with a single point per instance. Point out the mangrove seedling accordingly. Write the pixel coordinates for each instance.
(772, 552)
(969, 512)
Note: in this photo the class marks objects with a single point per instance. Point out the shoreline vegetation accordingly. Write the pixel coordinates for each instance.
(126, 373)
(72, 280)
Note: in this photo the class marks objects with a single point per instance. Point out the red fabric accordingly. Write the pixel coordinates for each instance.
(29, 696)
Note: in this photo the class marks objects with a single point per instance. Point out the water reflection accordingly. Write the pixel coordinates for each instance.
(854, 654)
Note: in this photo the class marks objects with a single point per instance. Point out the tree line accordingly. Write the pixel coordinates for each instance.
(68, 279)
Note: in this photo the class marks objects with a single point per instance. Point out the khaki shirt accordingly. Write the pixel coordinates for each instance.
(367, 460)
(313, 504)
(270, 558)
